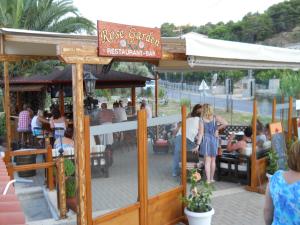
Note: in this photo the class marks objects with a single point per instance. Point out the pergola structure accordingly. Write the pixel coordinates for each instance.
(177, 55)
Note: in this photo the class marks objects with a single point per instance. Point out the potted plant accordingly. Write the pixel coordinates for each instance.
(272, 166)
(70, 185)
(198, 209)
(71, 194)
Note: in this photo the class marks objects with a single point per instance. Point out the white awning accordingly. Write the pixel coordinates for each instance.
(210, 54)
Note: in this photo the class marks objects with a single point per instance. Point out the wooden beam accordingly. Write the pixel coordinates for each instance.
(33, 166)
(7, 112)
(88, 170)
(173, 56)
(274, 110)
(183, 152)
(82, 54)
(78, 117)
(253, 156)
(50, 178)
(61, 101)
(28, 152)
(133, 99)
(142, 167)
(14, 58)
(282, 110)
(156, 94)
(61, 187)
(290, 115)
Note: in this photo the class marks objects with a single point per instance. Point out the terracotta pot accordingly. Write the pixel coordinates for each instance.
(72, 204)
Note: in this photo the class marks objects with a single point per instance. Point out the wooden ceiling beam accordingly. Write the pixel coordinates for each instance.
(13, 58)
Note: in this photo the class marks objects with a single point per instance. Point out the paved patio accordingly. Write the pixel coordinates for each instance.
(232, 203)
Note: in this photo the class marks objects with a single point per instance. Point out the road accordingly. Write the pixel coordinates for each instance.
(242, 105)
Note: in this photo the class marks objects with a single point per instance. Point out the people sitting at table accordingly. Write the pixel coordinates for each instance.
(260, 135)
(66, 142)
(145, 106)
(119, 113)
(24, 124)
(282, 203)
(240, 146)
(106, 117)
(58, 123)
(36, 123)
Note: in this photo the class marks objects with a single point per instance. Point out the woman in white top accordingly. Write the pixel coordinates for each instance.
(58, 121)
(192, 135)
(36, 123)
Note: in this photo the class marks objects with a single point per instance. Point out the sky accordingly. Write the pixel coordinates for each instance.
(153, 13)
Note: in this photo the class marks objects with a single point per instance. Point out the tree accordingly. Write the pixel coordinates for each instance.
(290, 83)
(44, 15)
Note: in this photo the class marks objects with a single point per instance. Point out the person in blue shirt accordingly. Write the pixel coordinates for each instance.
(282, 204)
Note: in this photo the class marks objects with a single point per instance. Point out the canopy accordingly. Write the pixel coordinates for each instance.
(204, 53)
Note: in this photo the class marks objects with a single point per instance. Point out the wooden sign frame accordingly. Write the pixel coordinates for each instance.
(128, 41)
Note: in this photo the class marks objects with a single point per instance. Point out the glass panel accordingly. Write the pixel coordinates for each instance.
(161, 144)
(113, 166)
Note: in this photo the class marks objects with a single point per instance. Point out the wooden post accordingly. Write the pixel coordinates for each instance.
(156, 94)
(253, 156)
(78, 117)
(133, 99)
(50, 169)
(61, 101)
(183, 152)
(142, 167)
(7, 158)
(61, 187)
(274, 110)
(290, 115)
(282, 109)
(88, 170)
(18, 103)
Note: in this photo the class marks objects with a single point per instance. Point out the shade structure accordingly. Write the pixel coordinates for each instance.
(203, 53)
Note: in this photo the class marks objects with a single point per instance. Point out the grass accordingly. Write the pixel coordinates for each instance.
(239, 118)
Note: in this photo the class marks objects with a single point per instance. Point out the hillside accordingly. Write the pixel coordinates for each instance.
(284, 39)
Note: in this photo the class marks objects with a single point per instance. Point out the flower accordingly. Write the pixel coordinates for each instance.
(199, 198)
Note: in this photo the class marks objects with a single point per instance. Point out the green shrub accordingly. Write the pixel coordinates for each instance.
(69, 167)
(70, 187)
(272, 166)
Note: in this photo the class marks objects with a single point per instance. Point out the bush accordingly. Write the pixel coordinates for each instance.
(69, 167)
(272, 166)
(70, 187)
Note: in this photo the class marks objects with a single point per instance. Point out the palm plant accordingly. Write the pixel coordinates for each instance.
(42, 15)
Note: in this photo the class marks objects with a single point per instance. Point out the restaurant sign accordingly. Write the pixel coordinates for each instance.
(126, 41)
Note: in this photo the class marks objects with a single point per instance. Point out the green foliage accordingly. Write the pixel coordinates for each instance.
(69, 167)
(149, 93)
(199, 198)
(134, 68)
(290, 83)
(161, 93)
(70, 187)
(186, 102)
(42, 15)
(272, 166)
(2, 125)
(103, 93)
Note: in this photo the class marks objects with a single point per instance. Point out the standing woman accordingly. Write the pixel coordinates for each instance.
(209, 131)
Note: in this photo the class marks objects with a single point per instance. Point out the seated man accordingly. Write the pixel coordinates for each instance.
(241, 145)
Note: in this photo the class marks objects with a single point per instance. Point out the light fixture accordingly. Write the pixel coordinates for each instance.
(90, 83)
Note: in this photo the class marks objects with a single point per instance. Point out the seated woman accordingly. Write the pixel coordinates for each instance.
(66, 142)
(283, 192)
(241, 145)
(260, 136)
(36, 123)
(57, 121)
